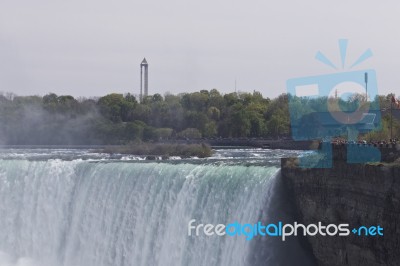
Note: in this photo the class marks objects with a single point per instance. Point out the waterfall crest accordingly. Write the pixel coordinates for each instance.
(80, 213)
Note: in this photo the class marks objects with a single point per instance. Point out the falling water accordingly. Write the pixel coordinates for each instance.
(81, 213)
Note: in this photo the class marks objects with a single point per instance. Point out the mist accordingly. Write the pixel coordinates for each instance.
(33, 121)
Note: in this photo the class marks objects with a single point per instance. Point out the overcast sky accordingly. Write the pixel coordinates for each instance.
(94, 47)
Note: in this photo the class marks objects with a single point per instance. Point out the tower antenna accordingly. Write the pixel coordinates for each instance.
(366, 86)
(235, 86)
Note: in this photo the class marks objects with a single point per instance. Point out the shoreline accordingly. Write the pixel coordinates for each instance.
(152, 150)
(286, 144)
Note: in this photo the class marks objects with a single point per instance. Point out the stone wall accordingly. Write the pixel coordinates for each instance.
(389, 152)
(357, 194)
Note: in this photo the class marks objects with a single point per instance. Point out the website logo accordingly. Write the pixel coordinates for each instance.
(343, 104)
(281, 230)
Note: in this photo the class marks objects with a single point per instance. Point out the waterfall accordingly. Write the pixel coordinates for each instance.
(82, 213)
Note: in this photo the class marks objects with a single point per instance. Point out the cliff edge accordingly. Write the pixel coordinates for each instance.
(356, 194)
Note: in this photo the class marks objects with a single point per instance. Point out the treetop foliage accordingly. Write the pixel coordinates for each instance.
(119, 119)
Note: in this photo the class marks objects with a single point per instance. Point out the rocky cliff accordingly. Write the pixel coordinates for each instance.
(356, 194)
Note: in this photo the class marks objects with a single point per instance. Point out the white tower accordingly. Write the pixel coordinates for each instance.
(144, 79)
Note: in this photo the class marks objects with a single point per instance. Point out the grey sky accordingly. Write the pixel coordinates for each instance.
(94, 47)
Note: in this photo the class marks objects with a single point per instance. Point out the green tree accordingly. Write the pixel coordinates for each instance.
(190, 133)
(213, 113)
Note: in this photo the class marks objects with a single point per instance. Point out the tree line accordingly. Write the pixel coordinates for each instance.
(121, 118)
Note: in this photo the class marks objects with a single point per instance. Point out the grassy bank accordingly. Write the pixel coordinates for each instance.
(162, 149)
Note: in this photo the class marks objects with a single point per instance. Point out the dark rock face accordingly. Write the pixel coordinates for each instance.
(356, 194)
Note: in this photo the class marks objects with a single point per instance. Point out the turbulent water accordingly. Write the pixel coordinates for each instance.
(76, 208)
